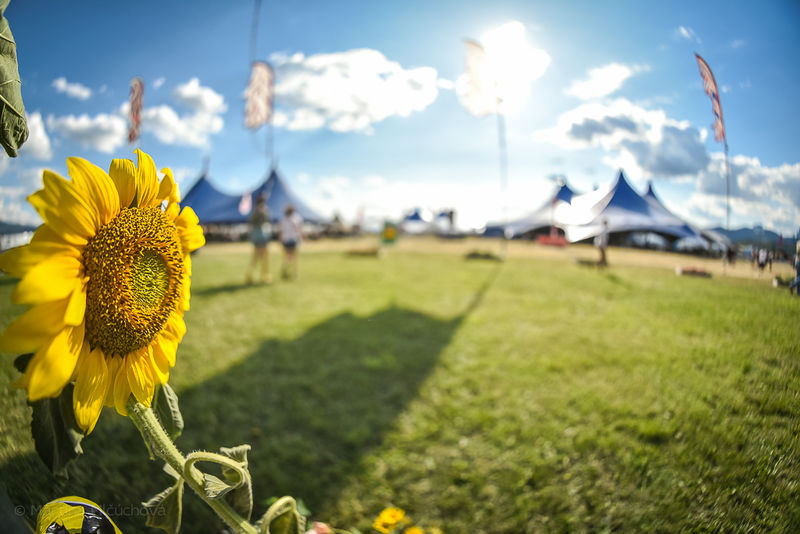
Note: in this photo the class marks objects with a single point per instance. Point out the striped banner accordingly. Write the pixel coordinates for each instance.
(135, 118)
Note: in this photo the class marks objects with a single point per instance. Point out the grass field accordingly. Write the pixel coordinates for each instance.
(533, 395)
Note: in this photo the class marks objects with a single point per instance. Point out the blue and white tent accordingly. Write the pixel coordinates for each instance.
(624, 210)
(544, 217)
(212, 206)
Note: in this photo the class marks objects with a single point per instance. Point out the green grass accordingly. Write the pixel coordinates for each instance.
(528, 396)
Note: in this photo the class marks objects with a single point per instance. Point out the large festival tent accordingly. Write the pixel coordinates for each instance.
(215, 207)
(619, 206)
(624, 211)
(703, 239)
(544, 217)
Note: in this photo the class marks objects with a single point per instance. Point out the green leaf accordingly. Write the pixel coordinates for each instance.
(215, 487)
(13, 128)
(55, 433)
(241, 496)
(165, 404)
(282, 518)
(165, 509)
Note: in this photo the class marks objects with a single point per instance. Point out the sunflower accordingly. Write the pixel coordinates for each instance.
(107, 278)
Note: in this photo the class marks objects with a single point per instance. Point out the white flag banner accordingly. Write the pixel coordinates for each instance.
(477, 89)
(259, 95)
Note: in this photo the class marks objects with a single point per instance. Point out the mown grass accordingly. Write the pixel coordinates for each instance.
(527, 396)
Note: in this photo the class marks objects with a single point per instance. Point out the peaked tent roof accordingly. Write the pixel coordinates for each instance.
(624, 209)
(544, 216)
(215, 207)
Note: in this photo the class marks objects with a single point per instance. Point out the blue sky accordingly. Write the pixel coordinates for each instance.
(368, 117)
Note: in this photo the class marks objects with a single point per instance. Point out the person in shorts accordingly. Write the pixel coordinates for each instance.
(260, 235)
(291, 230)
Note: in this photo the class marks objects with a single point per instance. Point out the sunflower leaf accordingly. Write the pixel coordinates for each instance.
(55, 433)
(214, 486)
(241, 496)
(282, 518)
(13, 126)
(165, 509)
(168, 411)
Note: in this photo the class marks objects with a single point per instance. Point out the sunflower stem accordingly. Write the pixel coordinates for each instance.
(163, 447)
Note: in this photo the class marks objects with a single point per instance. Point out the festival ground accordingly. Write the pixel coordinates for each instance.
(531, 395)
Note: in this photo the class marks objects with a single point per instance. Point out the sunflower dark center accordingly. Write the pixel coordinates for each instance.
(135, 269)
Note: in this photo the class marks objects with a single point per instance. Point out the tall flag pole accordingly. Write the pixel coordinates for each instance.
(480, 96)
(710, 87)
(134, 116)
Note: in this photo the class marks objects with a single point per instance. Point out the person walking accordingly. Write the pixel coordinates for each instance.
(260, 236)
(601, 242)
(795, 285)
(291, 230)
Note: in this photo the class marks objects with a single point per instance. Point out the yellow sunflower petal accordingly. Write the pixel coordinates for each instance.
(123, 174)
(190, 230)
(175, 327)
(91, 386)
(147, 181)
(113, 367)
(97, 188)
(51, 367)
(168, 189)
(76, 309)
(44, 244)
(53, 279)
(140, 377)
(166, 346)
(35, 327)
(187, 281)
(64, 208)
(122, 391)
(159, 364)
(172, 211)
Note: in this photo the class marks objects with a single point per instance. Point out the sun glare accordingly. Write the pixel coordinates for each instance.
(513, 63)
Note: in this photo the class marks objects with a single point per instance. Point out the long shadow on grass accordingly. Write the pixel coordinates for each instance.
(314, 406)
(311, 408)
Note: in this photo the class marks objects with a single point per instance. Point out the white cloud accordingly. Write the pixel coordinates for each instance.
(347, 91)
(173, 129)
(379, 198)
(158, 82)
(13, 207)
(687, 33)
(603, 81)
(30, 178)
(200, 99)
(645, 142)
(648, 144)
(74, 90)
(38, 144)
(102, 132)
(738, 43)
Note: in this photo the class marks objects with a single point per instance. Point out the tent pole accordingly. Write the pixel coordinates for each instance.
(727, 202)
(270, 142)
